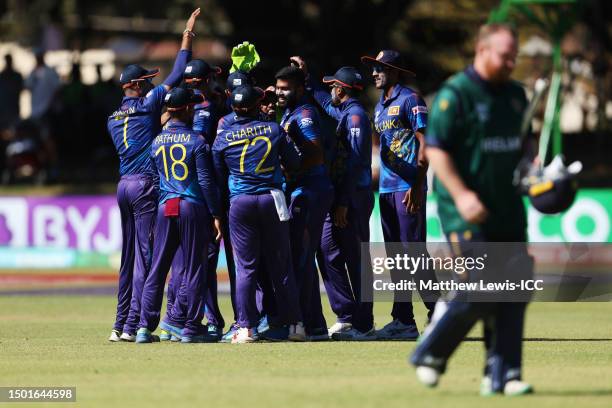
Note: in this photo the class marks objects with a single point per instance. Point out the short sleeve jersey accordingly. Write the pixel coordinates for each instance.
(396, 119)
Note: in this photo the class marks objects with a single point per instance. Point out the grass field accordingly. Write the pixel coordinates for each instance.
(61, 341)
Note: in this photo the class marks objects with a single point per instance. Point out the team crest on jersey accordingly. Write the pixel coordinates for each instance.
(306, 122)
(394, 110)
(443, 104)
(419, 109)
(482, 110)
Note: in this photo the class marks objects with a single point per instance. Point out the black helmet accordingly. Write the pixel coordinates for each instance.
(552, 189)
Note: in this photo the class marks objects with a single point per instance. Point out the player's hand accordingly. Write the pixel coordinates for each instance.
(340, 216)
(471, 208)
(218, 230)
(300, 63)
(192, 19)
(414, 199)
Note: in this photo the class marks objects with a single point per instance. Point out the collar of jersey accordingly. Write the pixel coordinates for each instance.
(396, 91)
(176, 124)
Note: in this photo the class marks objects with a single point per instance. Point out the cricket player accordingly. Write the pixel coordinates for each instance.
(400, 120)
(347, 224)
(188, 201)
(250, 151)
(310, 190)
(474, 145)
(132, 128)
(200, 76)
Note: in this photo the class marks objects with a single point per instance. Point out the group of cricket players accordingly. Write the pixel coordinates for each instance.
(283, 176)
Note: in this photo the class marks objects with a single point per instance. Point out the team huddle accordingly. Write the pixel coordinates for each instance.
(283, 175)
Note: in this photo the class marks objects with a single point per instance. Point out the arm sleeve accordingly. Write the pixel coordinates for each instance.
(182, 58)
(221, 170)
(323, 98)
(415, 110)
(289, 154)
(358, 142)
(206, 178)
(154, 100)
(443, 120)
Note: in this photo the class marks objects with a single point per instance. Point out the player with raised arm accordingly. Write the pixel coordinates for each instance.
(133, 127)
(348, 222)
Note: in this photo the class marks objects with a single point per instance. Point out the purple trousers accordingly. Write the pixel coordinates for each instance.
(137, 199)
(339, 260)
(399, 225)
(308, 210)
(261, 245)
(188, 233)
(211, 307)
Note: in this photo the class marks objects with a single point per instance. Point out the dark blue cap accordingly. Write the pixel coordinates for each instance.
(246, 96)
(135, 72)
(238, 78)
(347, 77)
(199, 69)
(389, 58)
(179, 98)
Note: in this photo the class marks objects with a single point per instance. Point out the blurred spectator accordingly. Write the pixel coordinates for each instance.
(25, 160)
(44, 84)
(11, 85)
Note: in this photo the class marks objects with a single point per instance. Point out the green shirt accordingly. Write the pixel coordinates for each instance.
(479, 125)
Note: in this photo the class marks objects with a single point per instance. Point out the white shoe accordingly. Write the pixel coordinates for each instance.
(297, 332)
(428, 376)
(397, 330)
(114, 336)
(339, 327)
(486, 387)
(517, 387)
(127, 337)
(243, 335)
(355, 335)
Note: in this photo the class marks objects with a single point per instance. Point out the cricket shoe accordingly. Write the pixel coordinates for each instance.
(276, 334)
(115, 336)
(130, 338)
(144, 335)
(297, 332)
(244, 335)
(515, 388)
(397, 330)
(263, 325)
(318, 334)
(196, 338)
(174, 331)
(165, 335)
(229, 335)
(486, 387)
(213, 333)
(338, 327)
(428, 376)
(355, 335)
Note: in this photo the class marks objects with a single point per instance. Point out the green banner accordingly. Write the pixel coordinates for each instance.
(587, 220)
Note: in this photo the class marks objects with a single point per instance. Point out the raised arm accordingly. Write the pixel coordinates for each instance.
(184, 55)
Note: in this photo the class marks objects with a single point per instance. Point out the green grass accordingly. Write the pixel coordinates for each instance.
(61, 341)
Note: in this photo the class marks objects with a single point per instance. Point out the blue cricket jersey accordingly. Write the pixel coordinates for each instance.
(396, 120)
(351, 157)
(250, 151)
(206, 117)
(133, 128)
(183, 163)
(303, 126)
